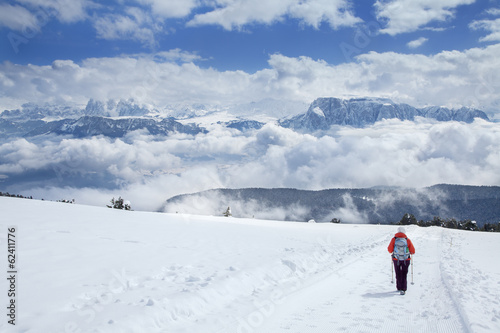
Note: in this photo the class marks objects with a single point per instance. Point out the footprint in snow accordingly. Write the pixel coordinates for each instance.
(192, 279)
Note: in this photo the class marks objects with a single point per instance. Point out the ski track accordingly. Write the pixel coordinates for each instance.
(473, 286)
(333, 305)
(252, 294)
(313, 291)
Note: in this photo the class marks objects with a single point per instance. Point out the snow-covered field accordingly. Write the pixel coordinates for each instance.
(90, 269)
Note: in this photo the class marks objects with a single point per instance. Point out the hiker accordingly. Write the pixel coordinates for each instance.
(401, 247)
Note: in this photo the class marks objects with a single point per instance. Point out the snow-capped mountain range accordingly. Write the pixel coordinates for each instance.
(359, 112)
(117, 118)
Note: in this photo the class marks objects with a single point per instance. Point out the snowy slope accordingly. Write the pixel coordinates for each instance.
(91, 269)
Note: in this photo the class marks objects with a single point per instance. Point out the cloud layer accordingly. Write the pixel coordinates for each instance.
(148, 170)
(450, 78)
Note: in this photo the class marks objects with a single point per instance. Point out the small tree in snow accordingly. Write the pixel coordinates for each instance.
(470, 225)
(451, 224)
(119, 204)
(227, 213)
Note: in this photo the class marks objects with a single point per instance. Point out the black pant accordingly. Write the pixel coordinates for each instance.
(401, 268)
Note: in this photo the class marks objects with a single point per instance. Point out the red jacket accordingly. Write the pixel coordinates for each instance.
(390, 248)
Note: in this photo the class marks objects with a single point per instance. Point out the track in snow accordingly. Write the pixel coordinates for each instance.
(359, 297)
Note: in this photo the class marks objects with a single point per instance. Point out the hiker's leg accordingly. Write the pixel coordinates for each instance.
(399, 274)
(404, 273)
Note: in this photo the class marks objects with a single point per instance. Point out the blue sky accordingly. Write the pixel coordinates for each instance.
(226, 37)
(246, 47)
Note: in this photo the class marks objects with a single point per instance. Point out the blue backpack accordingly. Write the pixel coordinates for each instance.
(401, 251)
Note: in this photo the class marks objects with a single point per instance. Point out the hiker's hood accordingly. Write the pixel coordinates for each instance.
(400, 235)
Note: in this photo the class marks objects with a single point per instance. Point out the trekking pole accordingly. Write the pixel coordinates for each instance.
(411, 258)
(392, 270)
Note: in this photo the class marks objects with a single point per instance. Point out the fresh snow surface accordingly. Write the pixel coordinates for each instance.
(91, 269)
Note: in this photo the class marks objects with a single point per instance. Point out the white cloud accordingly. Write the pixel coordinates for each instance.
(135, 24)
(67, 11)
(410, 15)
(176, 55)
(349, 212)
(141, 23)
(389, 153)
(449, 78)
(493, 11)
(417, 42)
(492, 26)
(337, 13)
(171, 8)
(17, 18)
(235, 14)
(144, 79)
